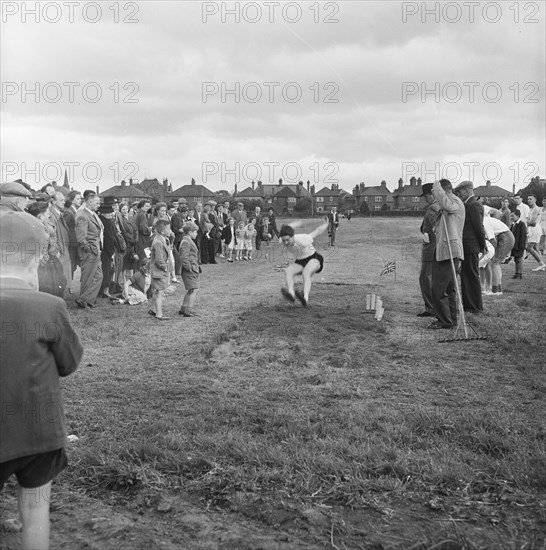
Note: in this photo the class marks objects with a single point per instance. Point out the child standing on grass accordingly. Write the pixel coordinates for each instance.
(159, 268)
(240, 237)
(250, 236)
(39, 347)
(229, 238)
(519, 230)
(189, 257)
(265, 236)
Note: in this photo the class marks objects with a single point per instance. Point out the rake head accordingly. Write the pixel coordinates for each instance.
(447, 340)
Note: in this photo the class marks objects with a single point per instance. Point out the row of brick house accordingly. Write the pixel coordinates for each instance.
(290, 198)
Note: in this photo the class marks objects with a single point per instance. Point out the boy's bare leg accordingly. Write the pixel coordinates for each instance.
(289, 272)
(34, 511)
(159, 302)
(310, 269)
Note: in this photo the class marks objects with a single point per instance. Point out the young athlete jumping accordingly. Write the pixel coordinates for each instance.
(308, 261)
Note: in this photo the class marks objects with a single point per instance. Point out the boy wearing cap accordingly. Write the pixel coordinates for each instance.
(39, 347)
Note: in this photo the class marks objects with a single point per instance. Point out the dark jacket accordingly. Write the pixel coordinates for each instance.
(109, 243)
(473, 230)
(40, 346)
(520, 236)
(226, 234)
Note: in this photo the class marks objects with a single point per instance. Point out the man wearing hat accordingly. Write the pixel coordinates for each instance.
(429, 247)
(239, 215)
(39, 345)
(14, 196)
(448, 229)
(90, 235)
(208, 240)
(109, 244)
(473, 244)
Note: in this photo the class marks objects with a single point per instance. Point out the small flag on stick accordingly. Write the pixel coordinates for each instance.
(389, 268)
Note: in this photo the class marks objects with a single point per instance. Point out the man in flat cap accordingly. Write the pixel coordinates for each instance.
(429, 247)
(473, 244)
(14, 196)
(448, 229)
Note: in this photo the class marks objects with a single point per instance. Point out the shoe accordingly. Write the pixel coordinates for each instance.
(222, 256)
(487, 292)
(425, 314)
(81, 304)
(496, 293)
(190, 314)
(520, 276)
(92, 305)
(301, 298)
(230, 260)
(540, 268)
(175, 281)
(436, 325)
(287, 295)
(515, 276)
(162, 318)
(182, 312)
(152, 313)
(507, 260)
(215, 262)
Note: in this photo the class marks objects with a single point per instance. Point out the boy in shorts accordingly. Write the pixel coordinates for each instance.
(308, 261)
(159, 268)
(38, 346)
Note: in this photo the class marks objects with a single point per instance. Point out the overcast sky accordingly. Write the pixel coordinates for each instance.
(367, 73)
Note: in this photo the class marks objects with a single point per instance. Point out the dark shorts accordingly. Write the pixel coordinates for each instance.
(161, 283)
(34, 470)
(190, 279)
(316, 256)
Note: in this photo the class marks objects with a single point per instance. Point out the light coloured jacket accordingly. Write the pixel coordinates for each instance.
(453, 212)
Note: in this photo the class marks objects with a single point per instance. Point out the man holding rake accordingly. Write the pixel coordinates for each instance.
(448, 229)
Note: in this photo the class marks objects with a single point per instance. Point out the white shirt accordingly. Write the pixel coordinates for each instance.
(524, 211)
(302, 247)
(493, 227)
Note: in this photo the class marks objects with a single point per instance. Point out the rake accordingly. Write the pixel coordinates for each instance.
(456, 336)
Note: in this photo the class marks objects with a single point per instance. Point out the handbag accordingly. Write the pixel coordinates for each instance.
(51, 278)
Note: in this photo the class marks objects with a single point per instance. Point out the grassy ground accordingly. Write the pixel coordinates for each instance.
(262, 424)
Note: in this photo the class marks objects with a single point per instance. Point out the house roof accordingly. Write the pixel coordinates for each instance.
(248, 192)
(131, 191)
(285, 192)
(411, 191)
(376, 190)
(491, 191)
(327, 192)
(196, 190)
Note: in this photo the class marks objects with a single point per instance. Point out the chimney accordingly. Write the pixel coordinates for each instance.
(97, 189)
(313, 189)
(488, 183)
(513, 189)
(383, 183)
(235, 192)
(65, 183)
(123, 183)
(362, 186)
(130, 181)
(412, 181)
(400, 183)
(419, 181)
(193, 181)
(252, 185)
(165, 183)
(280, 181)
(308, 184)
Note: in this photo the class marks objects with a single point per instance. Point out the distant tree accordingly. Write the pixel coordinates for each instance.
(303, 206)
(364, 207)
(385, 207)
(534, 188)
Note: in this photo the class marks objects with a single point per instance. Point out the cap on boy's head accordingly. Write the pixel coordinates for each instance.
(22, 238)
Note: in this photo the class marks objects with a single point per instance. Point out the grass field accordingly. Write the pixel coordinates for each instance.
(263, 424)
